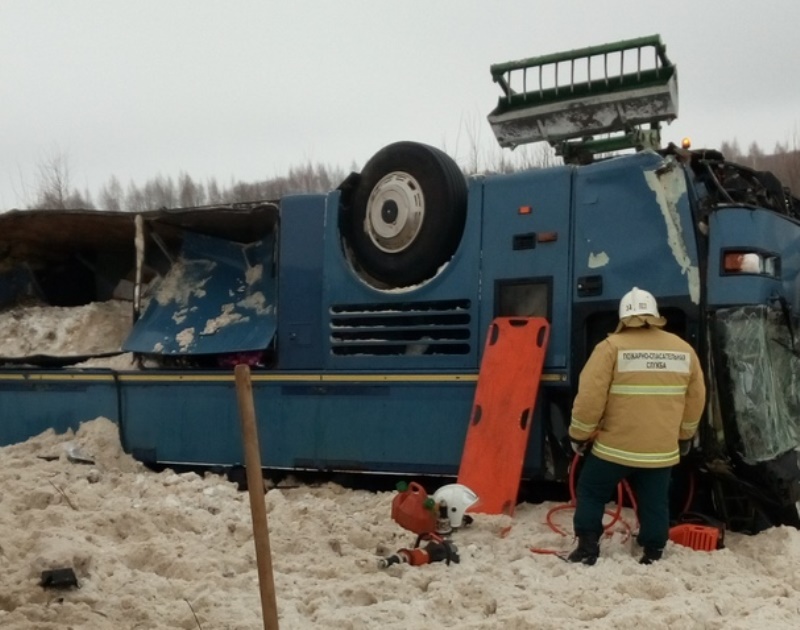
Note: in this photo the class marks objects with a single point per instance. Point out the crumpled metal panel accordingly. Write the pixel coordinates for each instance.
(217, 298)
(765, 376)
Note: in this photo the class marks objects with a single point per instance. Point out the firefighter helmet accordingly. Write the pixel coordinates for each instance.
(458, 498)
(638, 302)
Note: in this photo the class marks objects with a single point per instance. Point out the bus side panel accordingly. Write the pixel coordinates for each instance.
(526, 264)
(455, 288)
(633, 227)
(744, 229)
(392, 427)
(300, 312)
(302, 424)
(34, 401)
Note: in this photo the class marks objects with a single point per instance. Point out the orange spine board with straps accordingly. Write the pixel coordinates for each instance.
(505, 397)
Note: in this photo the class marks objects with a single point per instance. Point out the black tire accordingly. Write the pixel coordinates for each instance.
(407, 214)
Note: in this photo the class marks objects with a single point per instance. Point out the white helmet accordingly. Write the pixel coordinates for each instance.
(638, 302)
(458, 498)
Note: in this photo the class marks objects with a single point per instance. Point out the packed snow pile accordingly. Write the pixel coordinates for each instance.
(165, 550)
(92, 329)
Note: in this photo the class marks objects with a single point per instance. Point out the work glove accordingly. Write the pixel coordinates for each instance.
(579, 446)
(685, 446)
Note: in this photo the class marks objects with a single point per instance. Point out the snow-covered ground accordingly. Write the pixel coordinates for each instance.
(165, 550)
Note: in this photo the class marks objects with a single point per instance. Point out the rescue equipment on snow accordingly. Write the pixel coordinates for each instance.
(435, 551)
(431, 518)
(453, 500)
(413, 509)
(700, 532)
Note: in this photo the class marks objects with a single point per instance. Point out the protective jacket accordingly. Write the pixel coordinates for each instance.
(641, 391)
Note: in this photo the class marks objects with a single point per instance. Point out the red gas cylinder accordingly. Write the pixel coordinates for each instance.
(414, 510)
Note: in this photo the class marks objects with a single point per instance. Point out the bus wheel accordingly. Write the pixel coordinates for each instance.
(407, 214)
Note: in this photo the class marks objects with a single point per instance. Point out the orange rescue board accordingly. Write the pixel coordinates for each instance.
(497, 437)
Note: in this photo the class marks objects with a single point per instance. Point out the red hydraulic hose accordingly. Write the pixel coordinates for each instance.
(616, 516)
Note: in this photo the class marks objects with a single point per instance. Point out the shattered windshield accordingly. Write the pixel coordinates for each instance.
(763, 372)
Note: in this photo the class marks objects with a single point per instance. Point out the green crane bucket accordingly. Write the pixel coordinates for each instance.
(615, 87)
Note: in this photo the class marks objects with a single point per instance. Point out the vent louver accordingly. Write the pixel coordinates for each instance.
(407, 328)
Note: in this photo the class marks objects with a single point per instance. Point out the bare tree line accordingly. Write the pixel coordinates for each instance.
(54, 190)
(783, 162)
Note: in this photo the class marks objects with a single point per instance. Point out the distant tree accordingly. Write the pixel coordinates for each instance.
(309, 178)
(785, 164)
(213, 193)
(793, 164)
(53, 189)
(160, 193)
(81, 200)
(495, 159)
(529, 156)
(190, 195)
(755, 156)
(112, 197)
(134, 199)
(731, 151)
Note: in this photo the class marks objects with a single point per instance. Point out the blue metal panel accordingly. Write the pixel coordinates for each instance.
(754, 230)
(186, 418)
(300, 327)
(530, 244)
(373, 426)
(33, 401)
(633, 226)
(302, 423)
(218, 298)
(305, 422)
(459, 279)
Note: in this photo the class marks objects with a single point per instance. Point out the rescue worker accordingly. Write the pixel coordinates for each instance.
(639, 402)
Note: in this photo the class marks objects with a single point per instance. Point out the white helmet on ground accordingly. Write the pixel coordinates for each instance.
(458, 498)
(638, 302)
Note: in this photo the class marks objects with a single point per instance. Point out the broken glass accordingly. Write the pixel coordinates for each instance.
(763, 369)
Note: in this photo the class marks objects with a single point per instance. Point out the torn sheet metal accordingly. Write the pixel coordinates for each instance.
(669, 186)
(218, 297)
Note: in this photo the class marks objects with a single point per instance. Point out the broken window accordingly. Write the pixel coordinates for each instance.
(761, 377)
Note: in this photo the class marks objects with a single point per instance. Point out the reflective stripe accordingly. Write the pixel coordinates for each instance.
(689, 426)
(588, 428)
(648, 390)
(639, 458)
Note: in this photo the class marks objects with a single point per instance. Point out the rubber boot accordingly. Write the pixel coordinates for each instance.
(651, 555)
(587, 550)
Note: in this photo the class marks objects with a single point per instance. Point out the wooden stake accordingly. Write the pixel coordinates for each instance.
(255, 487)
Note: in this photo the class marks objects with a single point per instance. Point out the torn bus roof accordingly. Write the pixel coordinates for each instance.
(218, 297)
(49, 232)
(75, 258)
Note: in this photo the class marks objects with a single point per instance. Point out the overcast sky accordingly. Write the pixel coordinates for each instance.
(243, 90)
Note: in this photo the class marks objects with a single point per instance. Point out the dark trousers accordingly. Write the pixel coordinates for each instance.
(597, 482)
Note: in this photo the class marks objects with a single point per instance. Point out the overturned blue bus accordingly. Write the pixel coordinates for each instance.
(363, 312)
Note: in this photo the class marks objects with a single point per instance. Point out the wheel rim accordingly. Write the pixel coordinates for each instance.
(395, 211)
